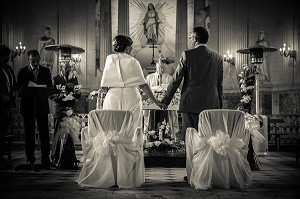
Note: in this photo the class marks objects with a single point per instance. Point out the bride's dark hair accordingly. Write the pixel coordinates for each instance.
(121, 42)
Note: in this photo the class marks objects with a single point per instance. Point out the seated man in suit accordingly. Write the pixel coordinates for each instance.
(66, 90)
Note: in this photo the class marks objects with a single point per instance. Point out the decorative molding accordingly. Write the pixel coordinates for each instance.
(286, 87)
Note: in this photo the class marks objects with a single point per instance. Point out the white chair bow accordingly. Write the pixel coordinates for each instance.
(221, 142)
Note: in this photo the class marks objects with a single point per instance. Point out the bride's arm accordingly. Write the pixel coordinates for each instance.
(146, 89)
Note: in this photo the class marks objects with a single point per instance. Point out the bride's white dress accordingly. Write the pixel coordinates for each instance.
(217, 153)
(112, 149)
(106, 163)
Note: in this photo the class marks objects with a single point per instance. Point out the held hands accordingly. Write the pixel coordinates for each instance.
(161, 105)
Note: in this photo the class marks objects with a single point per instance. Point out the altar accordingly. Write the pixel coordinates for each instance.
(160, 144)
(159, 92)
(160, 139)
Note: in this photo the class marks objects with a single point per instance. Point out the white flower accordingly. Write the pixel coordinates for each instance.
(157, 143)
(246, 99)
(69, 112)
(58, 87)
(152, 132)
(77, 87)
(250, 87)
(63, 88)
(150, 144)
(243, 88)
(219, 142)
(246, 67)
(69, 97)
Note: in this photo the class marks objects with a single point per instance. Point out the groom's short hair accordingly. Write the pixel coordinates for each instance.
(201, 34)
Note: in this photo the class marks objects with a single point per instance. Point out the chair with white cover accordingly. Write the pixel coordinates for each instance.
(217, 153)
(112, 150)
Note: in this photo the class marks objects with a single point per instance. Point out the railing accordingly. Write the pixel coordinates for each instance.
(284, 129)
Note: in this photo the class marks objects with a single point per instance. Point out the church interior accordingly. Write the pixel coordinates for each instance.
(88, 27)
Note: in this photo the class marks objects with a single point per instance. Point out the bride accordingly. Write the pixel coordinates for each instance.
(121, 80)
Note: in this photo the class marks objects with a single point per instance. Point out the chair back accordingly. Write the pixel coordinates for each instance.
(110, 120)
(231, 122)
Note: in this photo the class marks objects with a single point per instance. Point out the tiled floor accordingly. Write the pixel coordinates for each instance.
(279, 178)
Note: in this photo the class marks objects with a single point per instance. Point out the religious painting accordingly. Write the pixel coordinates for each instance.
(152, 27)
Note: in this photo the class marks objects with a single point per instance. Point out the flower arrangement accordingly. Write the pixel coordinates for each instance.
(159, 93)
(247, 85)
(71, 67)
(68, 90)
(160, 141)
(100, 95)
(253, 123)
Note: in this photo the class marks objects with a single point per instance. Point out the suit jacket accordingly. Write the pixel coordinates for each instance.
(202, 73)
(7, 90)
(44, 77)
(12, 80)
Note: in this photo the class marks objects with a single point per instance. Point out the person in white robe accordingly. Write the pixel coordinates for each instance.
(121, 80)
(153, 117)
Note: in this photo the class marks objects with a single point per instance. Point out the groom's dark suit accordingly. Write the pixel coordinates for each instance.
(202, 73)
(41, 116)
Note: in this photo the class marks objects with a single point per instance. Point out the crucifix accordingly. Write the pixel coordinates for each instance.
(152, 42)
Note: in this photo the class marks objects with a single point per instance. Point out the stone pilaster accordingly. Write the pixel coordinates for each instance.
(123, 17)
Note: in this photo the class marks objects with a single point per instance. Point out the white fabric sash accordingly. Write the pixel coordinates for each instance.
(221, 142)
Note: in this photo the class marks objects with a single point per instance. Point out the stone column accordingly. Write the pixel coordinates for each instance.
(231, 40)
(123, 17)
(105, 31)
(181, 29)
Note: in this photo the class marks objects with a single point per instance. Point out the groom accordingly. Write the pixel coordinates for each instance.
(201, 70)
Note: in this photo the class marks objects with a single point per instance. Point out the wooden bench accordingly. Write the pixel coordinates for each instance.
(9, 140)
(277, 123)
